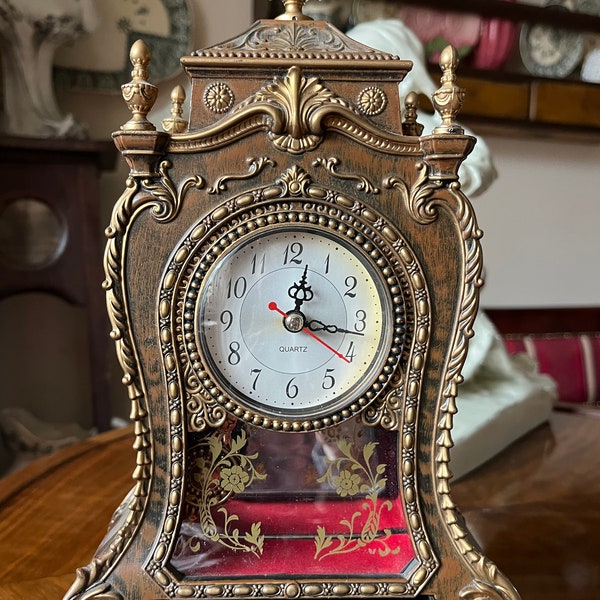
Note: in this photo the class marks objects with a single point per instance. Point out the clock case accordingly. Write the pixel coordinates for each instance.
(290, 123)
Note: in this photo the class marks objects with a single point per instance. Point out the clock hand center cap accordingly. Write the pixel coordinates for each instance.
(294, 321)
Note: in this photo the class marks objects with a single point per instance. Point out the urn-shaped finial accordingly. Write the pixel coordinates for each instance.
(176, 123)
(293, 11)
(138, 93)
(448, 99)
(411, 126)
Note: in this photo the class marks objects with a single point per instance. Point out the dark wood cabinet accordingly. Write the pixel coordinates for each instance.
(50, 235)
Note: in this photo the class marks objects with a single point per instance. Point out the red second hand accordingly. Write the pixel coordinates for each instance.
(273, 306)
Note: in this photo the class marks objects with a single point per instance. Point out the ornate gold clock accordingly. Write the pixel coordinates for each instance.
(291, 278)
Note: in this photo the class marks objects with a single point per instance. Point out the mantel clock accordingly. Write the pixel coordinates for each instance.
(291, 278)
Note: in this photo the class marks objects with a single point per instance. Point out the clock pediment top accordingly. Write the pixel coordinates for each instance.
(282, 43)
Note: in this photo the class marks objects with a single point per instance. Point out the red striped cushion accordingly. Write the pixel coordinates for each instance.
(572, 360)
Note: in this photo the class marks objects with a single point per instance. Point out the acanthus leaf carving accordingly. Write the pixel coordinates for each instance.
(419, 200)
(166, 198)
(298, 99)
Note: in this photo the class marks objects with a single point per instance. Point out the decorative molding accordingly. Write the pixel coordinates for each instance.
(297, 197)
(296, 111)
(330, 164)
(426, 197)
(165, 197)
(165, 200)
(218, 97)
(296, 40)
(299, 100)
(372, 101)
(86, 577)
(257, 165)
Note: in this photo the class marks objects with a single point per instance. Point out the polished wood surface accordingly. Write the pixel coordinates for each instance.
(533, 508)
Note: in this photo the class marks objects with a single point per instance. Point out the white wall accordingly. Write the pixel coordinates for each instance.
(541, 221)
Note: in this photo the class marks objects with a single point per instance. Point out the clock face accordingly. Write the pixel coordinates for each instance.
(295, 322)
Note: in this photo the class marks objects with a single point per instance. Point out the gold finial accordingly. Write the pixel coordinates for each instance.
(293, 11)
(410, 126)
(448, 99)
(138, 93)
(175, 123)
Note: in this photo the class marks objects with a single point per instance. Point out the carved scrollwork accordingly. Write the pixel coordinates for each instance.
(419, 199)
(293, 39)
(203, 410)
(423, 201)
(296, 111)
(296, 197)
(165, 197)
(493, 585)
(112, 268)
(290, 39)
(257, 165)
(86, 577)
(388, 411)
(126, 355)
(330, 164)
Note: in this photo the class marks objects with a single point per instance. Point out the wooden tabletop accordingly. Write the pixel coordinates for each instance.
(534, 509)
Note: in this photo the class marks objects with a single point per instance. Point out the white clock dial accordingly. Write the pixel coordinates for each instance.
(294, 322)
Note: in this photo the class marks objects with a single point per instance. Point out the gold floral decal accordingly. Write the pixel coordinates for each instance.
(222, 472)
(350, 477)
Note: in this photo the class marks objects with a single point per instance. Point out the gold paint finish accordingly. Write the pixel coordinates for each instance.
(293, 11)
(292, 125)
(448, 99)
(176, 123)
(139, 95)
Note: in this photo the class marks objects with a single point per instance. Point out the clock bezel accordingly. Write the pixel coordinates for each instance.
(318, 215)
(369, 374)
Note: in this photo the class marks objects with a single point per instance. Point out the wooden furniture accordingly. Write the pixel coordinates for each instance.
(518, 102)
(50, 235)
(533, 508)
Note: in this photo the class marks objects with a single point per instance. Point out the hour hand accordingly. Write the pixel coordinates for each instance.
(301, 292)
(316, 325)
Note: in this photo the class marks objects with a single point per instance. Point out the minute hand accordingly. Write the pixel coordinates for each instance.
(316, 325)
